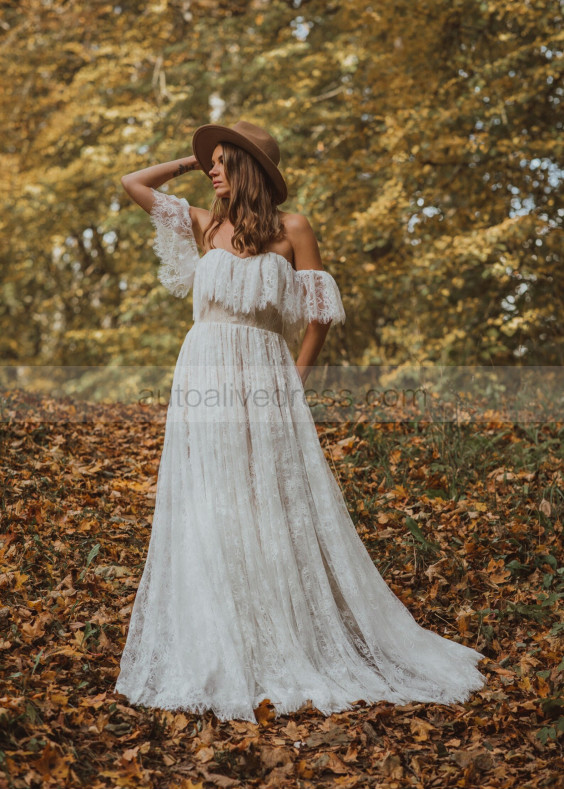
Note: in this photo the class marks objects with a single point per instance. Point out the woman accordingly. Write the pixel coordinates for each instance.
(257, 585)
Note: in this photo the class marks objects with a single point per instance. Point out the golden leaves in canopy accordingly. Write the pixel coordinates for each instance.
(422, 140)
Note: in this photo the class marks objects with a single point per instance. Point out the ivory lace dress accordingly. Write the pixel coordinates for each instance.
(256, 583)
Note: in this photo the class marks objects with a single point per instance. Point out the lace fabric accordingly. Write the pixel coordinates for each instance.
(256, 584)
(241, 285)
(174, 243)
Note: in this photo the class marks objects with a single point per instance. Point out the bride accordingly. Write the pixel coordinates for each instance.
(256, 584)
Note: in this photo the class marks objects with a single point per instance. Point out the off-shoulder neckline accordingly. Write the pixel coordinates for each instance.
(230, 252)
(249, 257)
(260, 255)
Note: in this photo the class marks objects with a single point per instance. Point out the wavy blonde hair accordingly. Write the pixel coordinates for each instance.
(251, 206)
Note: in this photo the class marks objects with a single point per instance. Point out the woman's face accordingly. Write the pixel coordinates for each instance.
(217, 173)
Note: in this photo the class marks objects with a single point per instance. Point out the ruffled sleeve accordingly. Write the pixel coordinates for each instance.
(175, 243)
(314, 296)
(320, 299)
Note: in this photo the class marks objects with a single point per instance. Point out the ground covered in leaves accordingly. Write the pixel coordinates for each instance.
(463, 521)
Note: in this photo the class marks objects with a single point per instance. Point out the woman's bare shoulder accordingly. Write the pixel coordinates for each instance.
(294, 222)
(297, 226)
(302, 238)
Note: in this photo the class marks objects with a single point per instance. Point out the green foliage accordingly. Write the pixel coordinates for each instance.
(422, 141)
(417, 533)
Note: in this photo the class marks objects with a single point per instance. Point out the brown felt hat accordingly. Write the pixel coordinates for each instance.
(251, 138)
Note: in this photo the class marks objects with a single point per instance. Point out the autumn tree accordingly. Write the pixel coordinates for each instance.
(423, 142)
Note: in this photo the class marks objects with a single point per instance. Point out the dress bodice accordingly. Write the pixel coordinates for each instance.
(214, 306)
(262, 290)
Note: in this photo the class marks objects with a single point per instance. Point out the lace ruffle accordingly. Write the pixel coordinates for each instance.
(240, 285)
(174, 243)
(318, 299)
(249, 285)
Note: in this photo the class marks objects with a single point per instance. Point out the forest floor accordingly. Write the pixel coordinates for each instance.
(464, 522)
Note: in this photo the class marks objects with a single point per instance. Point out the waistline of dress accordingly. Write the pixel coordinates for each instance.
(238, 322)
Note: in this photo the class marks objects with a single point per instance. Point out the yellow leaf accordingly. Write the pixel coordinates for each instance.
(421, 728)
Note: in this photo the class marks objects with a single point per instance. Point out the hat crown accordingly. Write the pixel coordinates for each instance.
(260, 137)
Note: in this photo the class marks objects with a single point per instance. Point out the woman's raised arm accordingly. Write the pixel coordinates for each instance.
(138, 185)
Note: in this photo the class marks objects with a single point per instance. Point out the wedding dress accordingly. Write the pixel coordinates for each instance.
(256, 583)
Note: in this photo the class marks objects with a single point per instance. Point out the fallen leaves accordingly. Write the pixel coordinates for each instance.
(265, 712)
(53, 765)
(69, 567)
(497, 573)
(421, 729)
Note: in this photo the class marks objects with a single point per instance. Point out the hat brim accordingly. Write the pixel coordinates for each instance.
(206, 138)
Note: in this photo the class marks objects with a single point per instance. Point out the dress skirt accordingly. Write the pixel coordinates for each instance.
(256, 583)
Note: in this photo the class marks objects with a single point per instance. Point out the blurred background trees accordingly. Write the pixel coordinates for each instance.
(424, 142)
